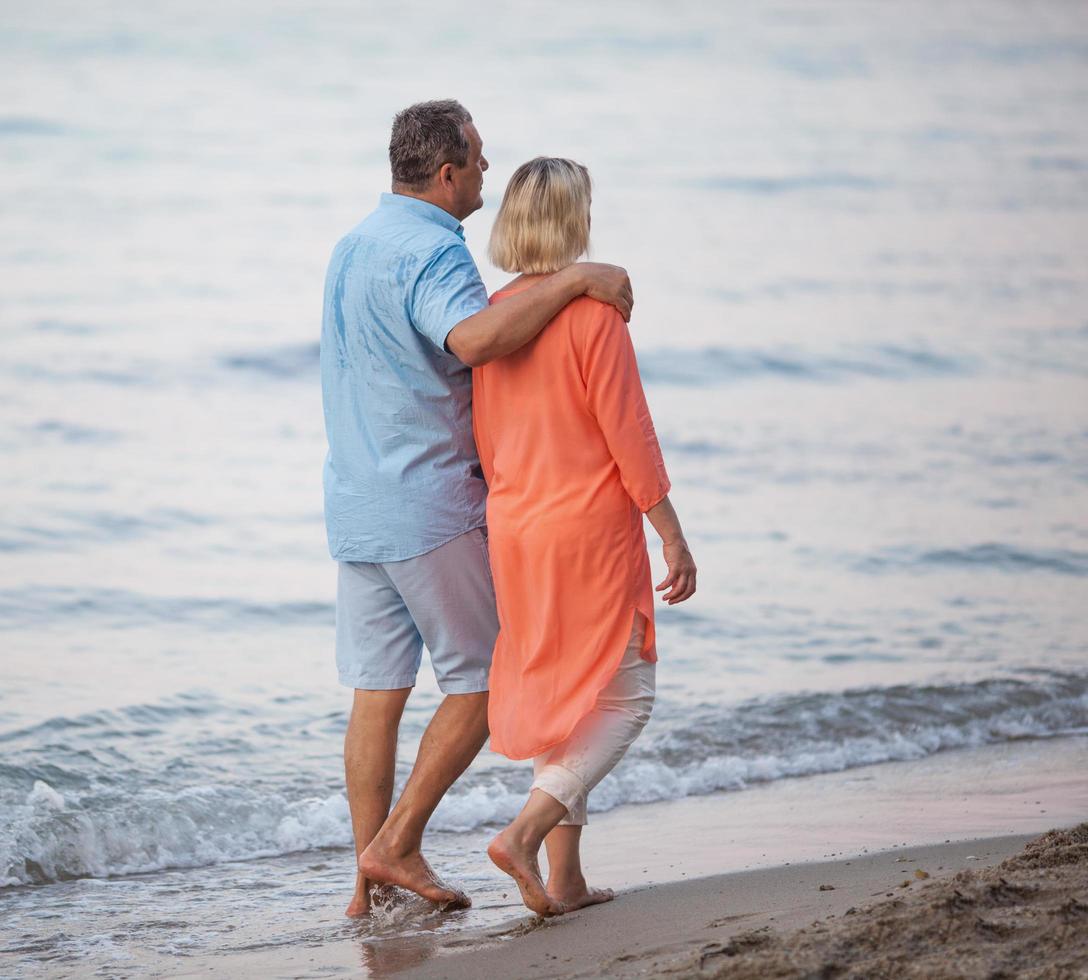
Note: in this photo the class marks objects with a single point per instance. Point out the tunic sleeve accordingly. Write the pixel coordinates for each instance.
(618, 403)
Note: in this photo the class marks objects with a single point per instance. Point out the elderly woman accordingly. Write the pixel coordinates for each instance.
(572, 463)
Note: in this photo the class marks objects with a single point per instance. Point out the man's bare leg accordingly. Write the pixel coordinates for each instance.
(566, 883)
(452, 740)
(516, 848)
(370, 759)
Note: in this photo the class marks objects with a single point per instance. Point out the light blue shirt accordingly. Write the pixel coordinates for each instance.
(402, 475)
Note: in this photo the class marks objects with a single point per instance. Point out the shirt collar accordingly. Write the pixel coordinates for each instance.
(426, 210)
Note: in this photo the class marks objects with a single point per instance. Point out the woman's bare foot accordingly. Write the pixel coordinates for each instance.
(577, 894)
(519, 861)
(409, 870)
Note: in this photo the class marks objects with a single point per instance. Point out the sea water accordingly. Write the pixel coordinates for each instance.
(857, 234)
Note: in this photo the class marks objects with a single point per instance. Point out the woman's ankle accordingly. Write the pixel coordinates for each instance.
(522, 835)
(566, 881)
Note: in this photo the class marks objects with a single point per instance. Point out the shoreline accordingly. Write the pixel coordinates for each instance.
(730, 863)
(987, 907)
(681, 928)
(659, 930)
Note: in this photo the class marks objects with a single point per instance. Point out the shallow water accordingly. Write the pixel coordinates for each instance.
(858, 238)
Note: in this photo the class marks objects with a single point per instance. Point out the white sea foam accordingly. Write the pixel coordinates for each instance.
(152, 830)
(50, 837)
(45, 796)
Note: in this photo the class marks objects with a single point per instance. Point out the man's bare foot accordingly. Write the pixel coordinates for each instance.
(360, 901)
(368, 896)
(520, 863)
(409, 870)
(577, 894)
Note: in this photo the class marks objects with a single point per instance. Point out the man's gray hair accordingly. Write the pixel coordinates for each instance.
(426, 136)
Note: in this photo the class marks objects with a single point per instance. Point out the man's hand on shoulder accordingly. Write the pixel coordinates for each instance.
(609, 284)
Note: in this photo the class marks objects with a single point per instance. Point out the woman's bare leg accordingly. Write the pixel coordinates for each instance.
(516, 848)
(566, 883)
(568, 773)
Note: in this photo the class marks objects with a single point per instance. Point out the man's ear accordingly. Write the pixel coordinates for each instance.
(445, 175)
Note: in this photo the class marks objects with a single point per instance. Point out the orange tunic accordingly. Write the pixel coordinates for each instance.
(572, 461)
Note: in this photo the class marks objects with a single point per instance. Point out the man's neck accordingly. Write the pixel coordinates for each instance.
(427, 196)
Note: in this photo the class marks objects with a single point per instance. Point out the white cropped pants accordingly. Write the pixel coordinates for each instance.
(568, 771)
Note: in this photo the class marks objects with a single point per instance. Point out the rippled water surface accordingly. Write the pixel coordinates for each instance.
(859, 244)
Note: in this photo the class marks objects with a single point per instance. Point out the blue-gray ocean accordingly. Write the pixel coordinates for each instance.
(858, 233)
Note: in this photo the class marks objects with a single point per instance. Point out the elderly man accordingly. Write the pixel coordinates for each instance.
(406, 317)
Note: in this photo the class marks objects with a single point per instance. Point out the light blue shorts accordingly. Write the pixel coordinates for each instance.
(387, 611)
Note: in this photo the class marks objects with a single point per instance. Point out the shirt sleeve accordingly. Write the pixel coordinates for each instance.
(618, 403)
(447, 290)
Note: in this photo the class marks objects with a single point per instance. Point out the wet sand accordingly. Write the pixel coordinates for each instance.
(703, 880)
(1004, 906)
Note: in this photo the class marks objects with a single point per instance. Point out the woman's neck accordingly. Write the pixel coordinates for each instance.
(526, 279)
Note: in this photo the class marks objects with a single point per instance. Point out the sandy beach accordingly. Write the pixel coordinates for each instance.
(765, 880)
(999, 906)
(857, 239)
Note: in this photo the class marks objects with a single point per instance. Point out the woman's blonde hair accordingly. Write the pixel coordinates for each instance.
(543, 221)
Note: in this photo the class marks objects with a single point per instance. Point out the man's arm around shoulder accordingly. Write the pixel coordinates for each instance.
(505, 327)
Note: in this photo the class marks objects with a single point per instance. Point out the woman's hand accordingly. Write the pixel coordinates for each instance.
(681, 578)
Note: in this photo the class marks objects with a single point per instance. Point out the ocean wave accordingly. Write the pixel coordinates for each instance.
(721, 365)
(1063, 164)
(143, 375)
(124, 722)
(38, 606)
(764, 185)
(290, 361)
(72, 432)
(793, 288)
(73, 526)
(71, 328)
(992, 556)
(54, 833)
(52, 838)
(1058, 352)
(30, 126)
(953, 51)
